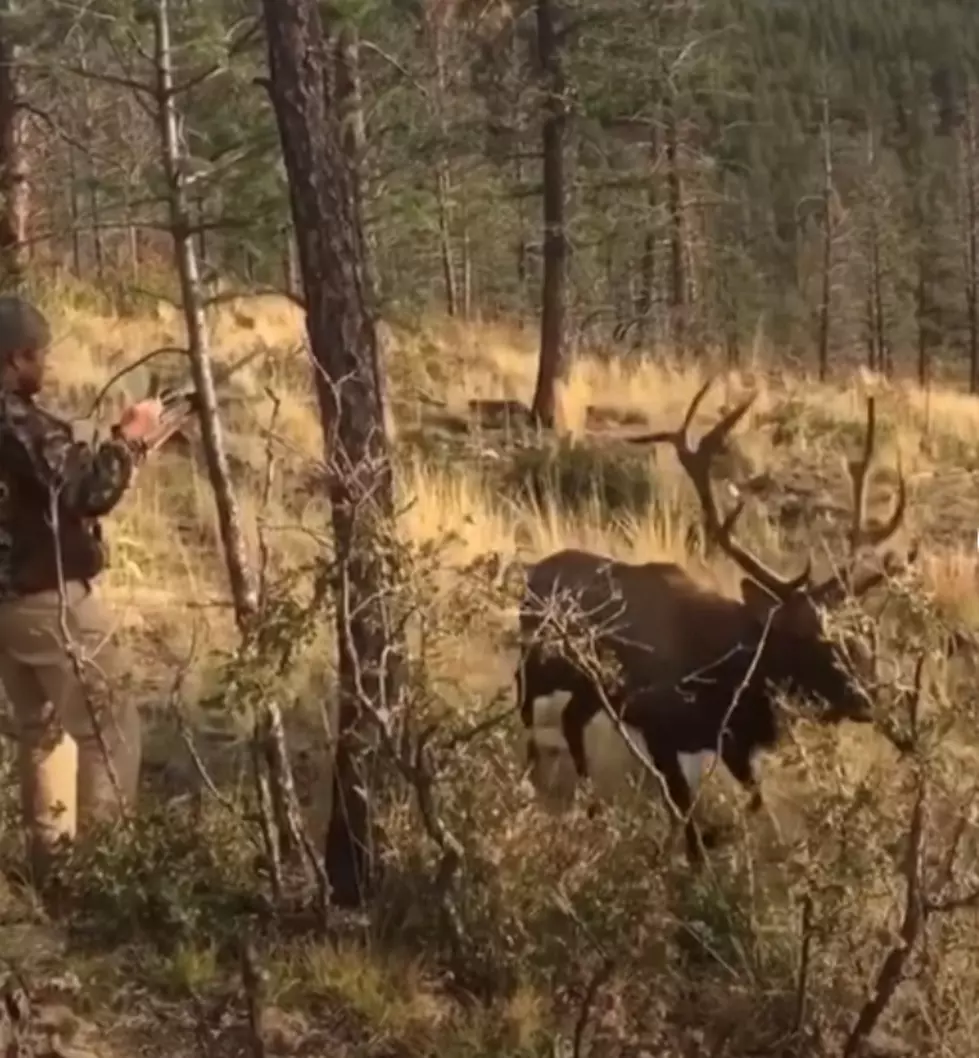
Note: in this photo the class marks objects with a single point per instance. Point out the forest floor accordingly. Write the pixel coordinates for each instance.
(476, 480)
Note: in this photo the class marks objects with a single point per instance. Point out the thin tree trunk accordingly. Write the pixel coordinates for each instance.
(132, 235)
(74, 214)
(443, 173)
(243, 590)
(344, 343)
(678, 271)
(613, 295)
(971, 163)
(98, 243)
(870, 325)
(883, 339)
(877, 357)
(553, 364)
(91, 182)
(139, 249)
(443, 191)
(924, 315)
(521, 250)
(647, 261)
(14, 163)
(467, 271)
(825, 301)
(281, 795)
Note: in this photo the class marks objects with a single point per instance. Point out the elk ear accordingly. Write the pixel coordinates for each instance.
(760, 601)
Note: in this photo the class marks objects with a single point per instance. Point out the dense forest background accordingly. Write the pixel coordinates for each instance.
(795, 175)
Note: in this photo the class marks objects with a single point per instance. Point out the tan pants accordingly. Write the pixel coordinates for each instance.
(79, 732)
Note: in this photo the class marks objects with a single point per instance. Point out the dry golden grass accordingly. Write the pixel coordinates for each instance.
(545, 898)
(166, 553)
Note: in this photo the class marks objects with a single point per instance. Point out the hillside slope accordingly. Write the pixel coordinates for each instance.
(151, 917)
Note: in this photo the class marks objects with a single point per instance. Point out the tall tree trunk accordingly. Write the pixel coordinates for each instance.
(825, 301)
(75, 214)
(522, 249)
(98, 240)
(924, 314)
(436, 29)
(678, 270)
(872, 322)
(132, 234)
(647, 261)
(91, 180)
(243, 589)
(553, 364)
(443, 192)
(881, 339)
(467, 270)
(971, 177)
(343, 339)
(14, 163)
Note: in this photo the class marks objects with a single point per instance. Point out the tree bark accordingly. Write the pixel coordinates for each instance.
(348, 100)
(343, 339)
(14, 163)
(553, 365)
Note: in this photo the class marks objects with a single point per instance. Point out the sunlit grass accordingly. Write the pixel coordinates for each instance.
(166, 553)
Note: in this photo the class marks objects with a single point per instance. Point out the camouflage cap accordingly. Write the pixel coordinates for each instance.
(22, 326)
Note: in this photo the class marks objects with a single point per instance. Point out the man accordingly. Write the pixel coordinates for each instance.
(57, 659)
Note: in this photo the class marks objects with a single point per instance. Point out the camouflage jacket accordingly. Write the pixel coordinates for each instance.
(53, 490)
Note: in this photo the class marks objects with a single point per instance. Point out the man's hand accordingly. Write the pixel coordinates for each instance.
(141, 420)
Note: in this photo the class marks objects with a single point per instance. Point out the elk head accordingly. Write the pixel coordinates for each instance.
(791, 610)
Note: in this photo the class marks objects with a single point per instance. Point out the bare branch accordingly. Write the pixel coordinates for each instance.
(141, 88)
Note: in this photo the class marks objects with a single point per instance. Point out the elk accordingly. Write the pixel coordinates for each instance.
(685, 653)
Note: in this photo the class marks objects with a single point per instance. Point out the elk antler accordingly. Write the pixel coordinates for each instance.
(696, 462)
(862, 535)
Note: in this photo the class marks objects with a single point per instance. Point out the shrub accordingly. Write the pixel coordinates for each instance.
(176, 875)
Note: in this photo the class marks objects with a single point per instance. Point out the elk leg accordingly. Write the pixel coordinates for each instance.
(679, 791)
(739, 764)
(573, 721)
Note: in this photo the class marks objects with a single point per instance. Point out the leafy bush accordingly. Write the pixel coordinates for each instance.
(176, 875)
